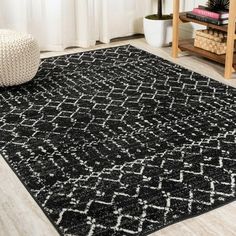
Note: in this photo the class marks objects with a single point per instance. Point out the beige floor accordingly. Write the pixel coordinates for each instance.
(21, 216)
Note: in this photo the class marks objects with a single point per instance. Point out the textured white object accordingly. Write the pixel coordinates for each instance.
(19, 57)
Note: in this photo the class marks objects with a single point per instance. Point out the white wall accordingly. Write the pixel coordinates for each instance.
(136, 8)
(187, 30)
(185, 5)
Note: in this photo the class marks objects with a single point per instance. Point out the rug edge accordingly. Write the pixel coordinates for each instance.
(145, 234)
(33, 197)
(150, 231)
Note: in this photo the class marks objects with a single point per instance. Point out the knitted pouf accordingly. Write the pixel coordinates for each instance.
(19, 57)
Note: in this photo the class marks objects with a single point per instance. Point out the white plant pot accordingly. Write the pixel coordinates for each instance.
(158, 33)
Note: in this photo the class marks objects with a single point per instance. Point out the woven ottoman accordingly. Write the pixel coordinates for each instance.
(19, 58)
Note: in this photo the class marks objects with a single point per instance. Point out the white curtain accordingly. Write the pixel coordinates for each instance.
(58, 24)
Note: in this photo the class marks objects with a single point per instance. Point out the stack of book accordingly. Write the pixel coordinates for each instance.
(205, 14)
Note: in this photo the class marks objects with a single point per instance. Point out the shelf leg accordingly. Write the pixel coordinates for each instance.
(175, 45)
(230, 40)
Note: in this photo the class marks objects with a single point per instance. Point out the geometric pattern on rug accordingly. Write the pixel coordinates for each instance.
(120, 142)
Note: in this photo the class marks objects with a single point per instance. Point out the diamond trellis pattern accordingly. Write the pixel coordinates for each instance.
(120, 142)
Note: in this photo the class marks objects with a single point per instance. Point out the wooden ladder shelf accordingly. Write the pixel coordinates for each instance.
(187, 45)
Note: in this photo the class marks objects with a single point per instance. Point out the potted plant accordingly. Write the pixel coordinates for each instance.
(158, 27)
(218, 5)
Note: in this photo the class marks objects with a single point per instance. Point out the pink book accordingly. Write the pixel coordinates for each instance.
(207, 13)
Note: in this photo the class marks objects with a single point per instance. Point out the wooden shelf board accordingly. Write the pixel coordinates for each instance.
(188, 45)
(186, 19)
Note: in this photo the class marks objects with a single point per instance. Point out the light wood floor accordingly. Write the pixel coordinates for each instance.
(21, 216)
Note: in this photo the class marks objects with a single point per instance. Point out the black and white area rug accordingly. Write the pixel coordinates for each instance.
(120, 142)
